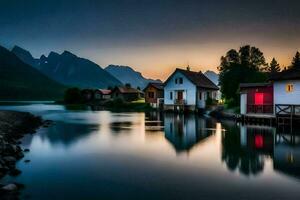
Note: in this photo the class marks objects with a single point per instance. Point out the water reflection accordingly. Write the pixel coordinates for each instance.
(185, 131)
(245, 148)
(287, 154)
(92, 154)
(67, 133)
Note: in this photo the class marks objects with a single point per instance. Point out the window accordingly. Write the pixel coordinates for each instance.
(200, 95)
(171, 95)
(175, 80)
(180, 80)
(289, 88)
(259, 99)
(151, 95)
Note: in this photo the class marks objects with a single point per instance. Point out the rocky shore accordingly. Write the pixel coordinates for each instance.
(13, 126)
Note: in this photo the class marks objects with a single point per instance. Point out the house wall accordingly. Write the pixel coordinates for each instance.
(243, 103)
(188, 88)
(281, 96)
(201, 102)
(157, 94)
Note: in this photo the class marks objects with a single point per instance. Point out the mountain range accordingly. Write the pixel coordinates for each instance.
(69, 69)
(20, 81)
(127, 75)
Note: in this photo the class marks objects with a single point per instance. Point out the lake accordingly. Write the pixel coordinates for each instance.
(90, 154)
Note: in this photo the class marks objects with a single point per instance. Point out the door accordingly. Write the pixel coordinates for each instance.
(243, 104)
(179, 95)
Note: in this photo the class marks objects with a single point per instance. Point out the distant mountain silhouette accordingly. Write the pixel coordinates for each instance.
(213, 76)
(20, 81)
(127, 75)
(70, 70)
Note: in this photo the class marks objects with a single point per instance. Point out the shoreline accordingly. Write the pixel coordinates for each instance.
(14, 125)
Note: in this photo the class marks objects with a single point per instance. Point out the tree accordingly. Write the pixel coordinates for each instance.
(243, 66)
(296, 61)
(72, 95)
(274, 67)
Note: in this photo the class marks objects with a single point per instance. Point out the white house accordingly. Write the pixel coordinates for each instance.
(286, 86)
(185, 89)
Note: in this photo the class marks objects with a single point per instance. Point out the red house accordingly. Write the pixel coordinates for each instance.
(256, 98)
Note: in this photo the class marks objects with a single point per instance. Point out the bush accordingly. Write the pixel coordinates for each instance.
(72, 96)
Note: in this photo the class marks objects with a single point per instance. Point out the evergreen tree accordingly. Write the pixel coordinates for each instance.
(296, 61)
(274, 66)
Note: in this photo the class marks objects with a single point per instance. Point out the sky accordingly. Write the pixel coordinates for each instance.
(152, 36)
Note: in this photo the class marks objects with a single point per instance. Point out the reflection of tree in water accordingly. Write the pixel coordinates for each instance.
(68, 133)
(236, 157)
(118, 127)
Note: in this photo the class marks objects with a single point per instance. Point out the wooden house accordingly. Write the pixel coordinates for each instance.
(256, 98)
(154, 94)
(127, 93)
(102, 94)
(279, 99)
(188, 90)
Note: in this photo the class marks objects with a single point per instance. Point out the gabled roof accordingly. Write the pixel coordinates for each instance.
(127, 90)
(197, 78)
(290, 74)
(158, 86)
(103, 91)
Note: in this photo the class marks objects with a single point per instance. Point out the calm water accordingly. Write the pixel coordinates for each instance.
(103, 155)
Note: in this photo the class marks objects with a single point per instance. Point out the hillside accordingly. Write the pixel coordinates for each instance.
(19, 81)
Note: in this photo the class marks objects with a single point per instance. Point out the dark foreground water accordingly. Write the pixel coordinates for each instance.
(102, 155)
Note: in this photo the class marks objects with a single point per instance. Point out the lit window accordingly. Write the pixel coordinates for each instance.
(259, 99)
(289, 88)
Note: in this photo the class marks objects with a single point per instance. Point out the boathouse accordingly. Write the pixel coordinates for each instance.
(154, 94)
(188, 90)
(256, 99)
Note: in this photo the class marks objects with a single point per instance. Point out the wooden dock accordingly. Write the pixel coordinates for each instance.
(285, 116)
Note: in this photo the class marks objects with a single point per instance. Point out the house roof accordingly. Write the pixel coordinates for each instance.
(124, 89)
(158, 86)
(103, 91)
(197, 78)
(254, 85)
(290, 74)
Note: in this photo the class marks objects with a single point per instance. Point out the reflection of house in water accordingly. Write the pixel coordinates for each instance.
(287, 154)
(258, 139)
(184, 131)
(246, 149)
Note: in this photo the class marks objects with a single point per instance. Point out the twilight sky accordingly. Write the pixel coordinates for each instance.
(152, 36)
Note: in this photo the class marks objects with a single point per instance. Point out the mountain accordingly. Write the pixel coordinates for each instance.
(25, 56)
(127, 75)
(20, 81)
(213, 76)
(69, 69)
